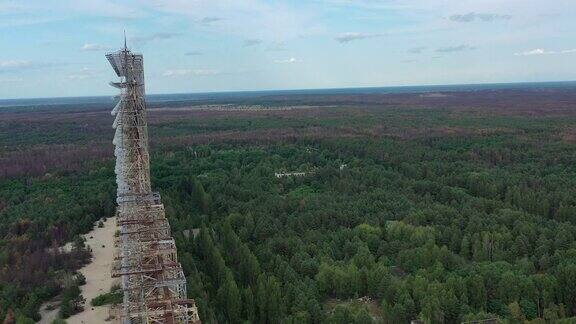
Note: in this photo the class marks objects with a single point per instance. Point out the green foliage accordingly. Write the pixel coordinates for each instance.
(22, 319)
(80, 279)
(38, 215)
(110, 298)
(428, 251)
(350, 313)
(72, 302)
(444, 215)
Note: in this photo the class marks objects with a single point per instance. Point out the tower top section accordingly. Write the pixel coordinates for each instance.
(124, 60)
(120, 61)
(131, 136)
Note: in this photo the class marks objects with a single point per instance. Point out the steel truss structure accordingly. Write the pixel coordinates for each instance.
(153, 282)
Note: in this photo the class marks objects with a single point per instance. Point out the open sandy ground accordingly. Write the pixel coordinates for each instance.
(97, 273)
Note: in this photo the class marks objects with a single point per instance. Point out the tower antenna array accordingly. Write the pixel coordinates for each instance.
(153, 282)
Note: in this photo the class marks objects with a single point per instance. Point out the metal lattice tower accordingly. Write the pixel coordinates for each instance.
(153, 282)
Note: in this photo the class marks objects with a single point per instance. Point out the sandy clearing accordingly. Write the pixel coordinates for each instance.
(97, 273)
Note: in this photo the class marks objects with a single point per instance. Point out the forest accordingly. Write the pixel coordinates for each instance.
(446, 207)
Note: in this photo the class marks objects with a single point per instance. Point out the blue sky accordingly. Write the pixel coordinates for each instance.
(56, 47)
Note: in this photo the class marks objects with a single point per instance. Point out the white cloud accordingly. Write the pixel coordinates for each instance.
(248, 19)
(10, 7)
(15, 64)
(472, 16)
(541, 51)
(103, 8)
(417, 50)
(84, 73)
(10, 80)
(209, 20)
(362, 4)
(537, 51)
(353, 36)
(21, 65)
(480, 8)
(251, 42)
(25, 21)
(453, 49)
(276, 47)
(142, 40)
(288, 61)
(94, 47)
(189, 72)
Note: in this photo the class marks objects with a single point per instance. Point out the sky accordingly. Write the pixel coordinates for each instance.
(55, 48)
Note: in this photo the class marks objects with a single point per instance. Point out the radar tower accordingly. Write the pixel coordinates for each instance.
(153, 281)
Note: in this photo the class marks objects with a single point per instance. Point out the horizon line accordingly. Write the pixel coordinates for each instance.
(308, 89)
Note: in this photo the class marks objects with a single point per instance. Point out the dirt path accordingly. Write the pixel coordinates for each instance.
(97, 273)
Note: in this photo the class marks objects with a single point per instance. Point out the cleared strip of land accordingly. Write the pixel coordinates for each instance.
(97, 273)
